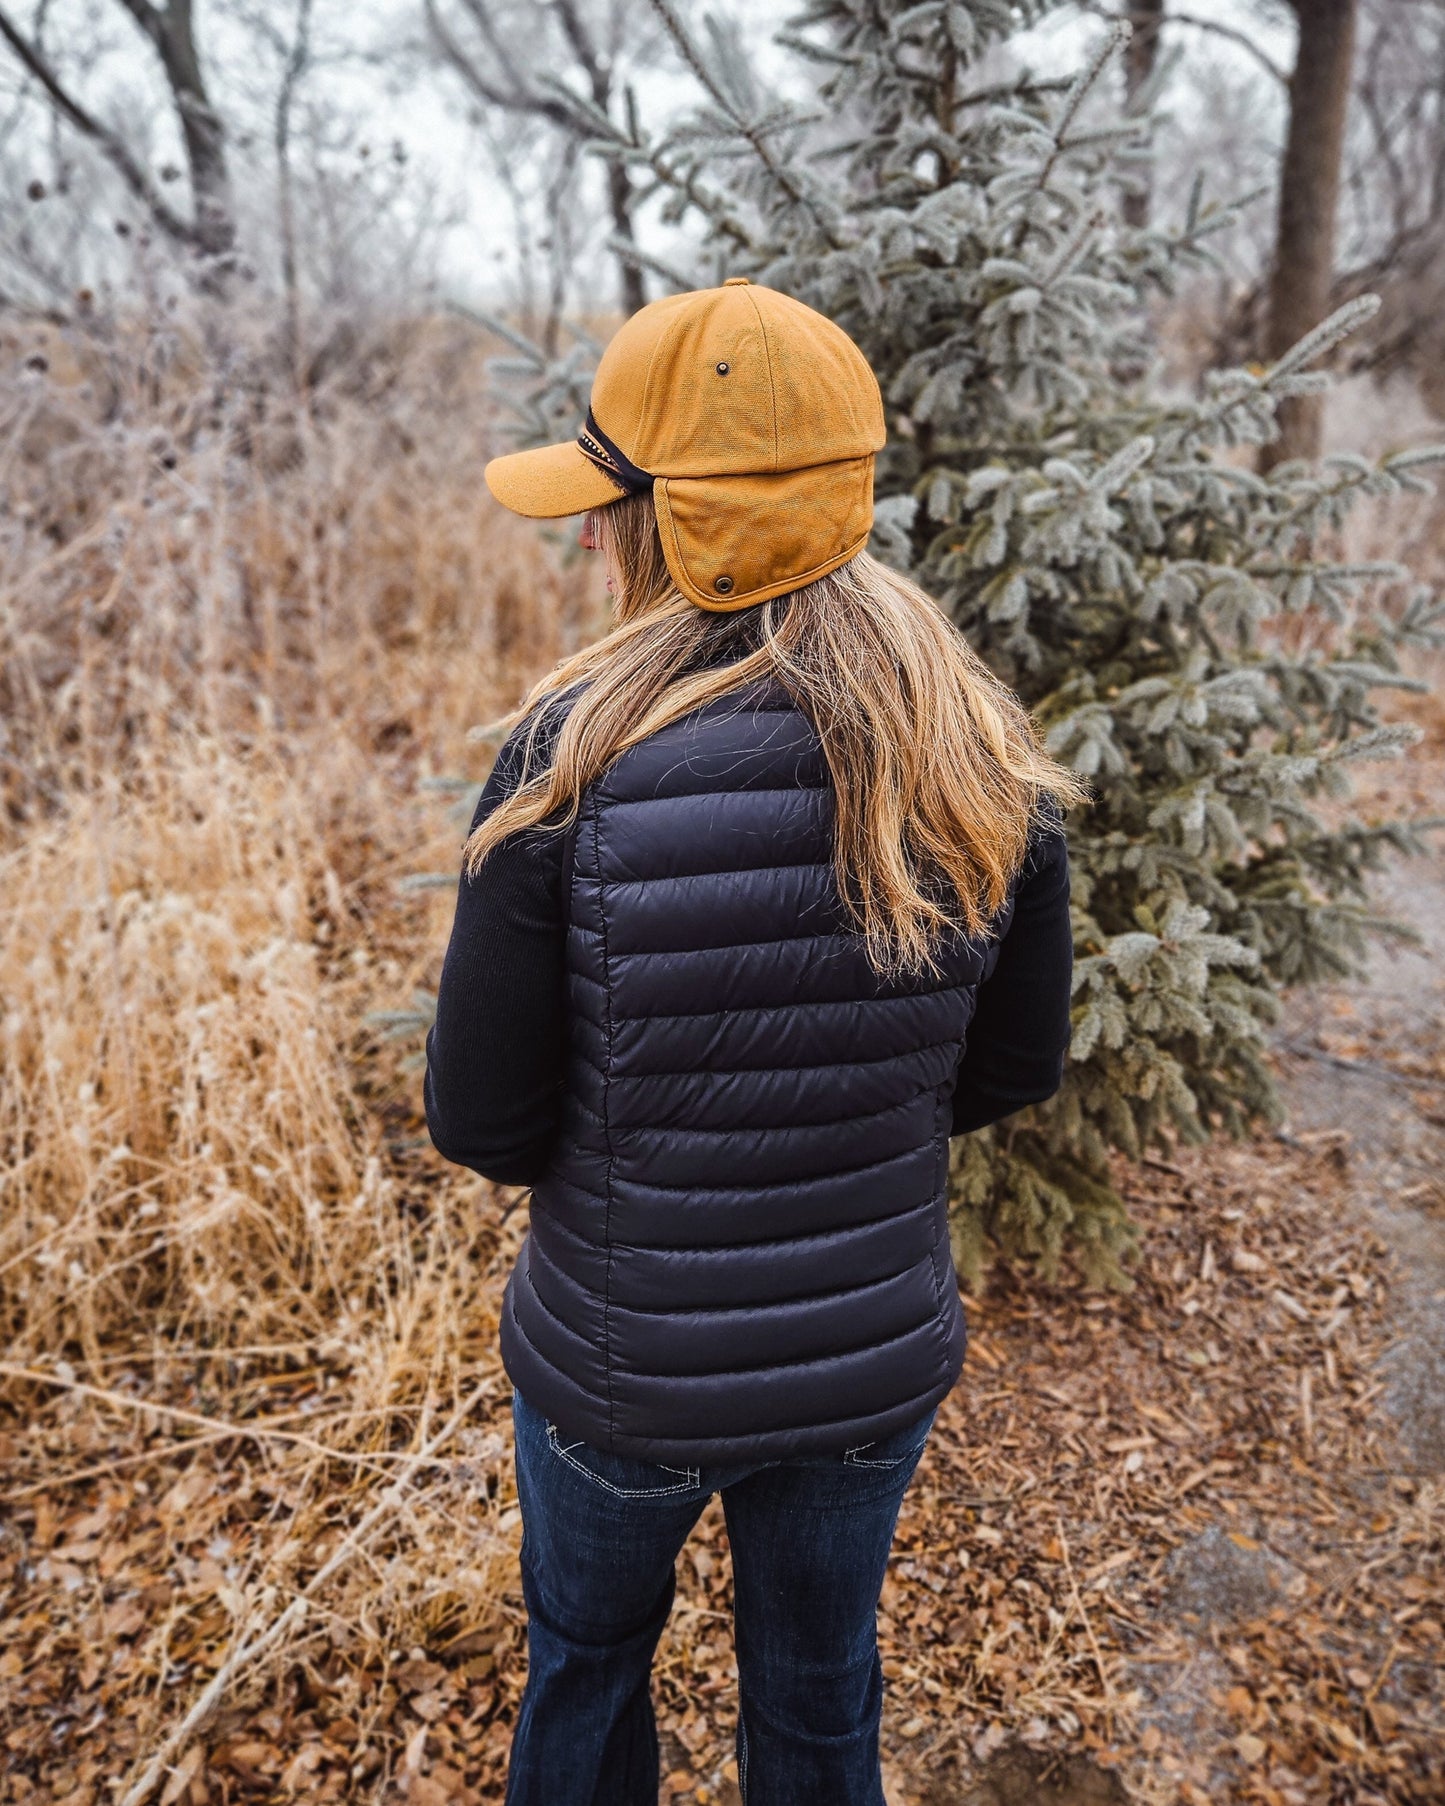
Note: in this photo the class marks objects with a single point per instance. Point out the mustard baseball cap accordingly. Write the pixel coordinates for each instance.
(752, 419)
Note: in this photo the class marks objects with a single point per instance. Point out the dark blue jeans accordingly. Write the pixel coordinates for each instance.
(600, 1535)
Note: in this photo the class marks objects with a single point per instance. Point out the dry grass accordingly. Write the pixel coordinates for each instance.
(234, 633)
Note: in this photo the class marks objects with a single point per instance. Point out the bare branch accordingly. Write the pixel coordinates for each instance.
(1196, 23)
(506, 85)
(1240, 38)
(111, 146)
(746, 129)
(1385, 146)
(150, 20)
(481, 14)
(582, 47)
(519, 98)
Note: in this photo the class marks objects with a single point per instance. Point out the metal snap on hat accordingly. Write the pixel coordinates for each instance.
(751, 418)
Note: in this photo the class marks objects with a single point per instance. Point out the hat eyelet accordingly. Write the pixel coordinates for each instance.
(723, 369)
(723, 585)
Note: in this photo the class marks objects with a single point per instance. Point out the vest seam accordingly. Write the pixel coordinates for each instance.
(779, 940)
(845, 1172)
(606, 1121)
(727, 871)
(732, 1072)
(767, 1305)
(687, 796)
(575, 1098)
(772, 1241)
(768, 1241)
(942, 1121)
(933, 1246)
(806, 1003)
(820, 1423)
(778, 1128)
(707, 1191)
(563, 1324)
(572, 1185)
(836, 1354)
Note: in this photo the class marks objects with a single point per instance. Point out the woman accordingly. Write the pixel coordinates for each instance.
(765, 898)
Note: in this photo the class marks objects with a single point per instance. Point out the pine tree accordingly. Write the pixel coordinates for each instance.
(1176, 622)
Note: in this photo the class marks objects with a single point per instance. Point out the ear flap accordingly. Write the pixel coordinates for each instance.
(733, 541)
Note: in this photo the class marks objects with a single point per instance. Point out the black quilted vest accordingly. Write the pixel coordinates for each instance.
(739, 1249)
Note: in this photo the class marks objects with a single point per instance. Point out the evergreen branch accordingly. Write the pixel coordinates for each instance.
(1414, 458)
(1083, 83)
(583, 338)
(583, 113)
(818, 53)
(1116, 472)
(1024, 88)
(535, 357)
(746, 128)
(1323, 339)
(1072, 249)
(1078, 91)
(643, 260)
(711, 205)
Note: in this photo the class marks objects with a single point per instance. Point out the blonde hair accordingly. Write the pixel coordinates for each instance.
(938, 772)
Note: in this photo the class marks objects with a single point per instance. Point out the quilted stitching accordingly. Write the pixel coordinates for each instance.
(851, 1375)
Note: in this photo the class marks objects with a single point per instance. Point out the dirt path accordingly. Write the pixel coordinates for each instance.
(1367, 1061)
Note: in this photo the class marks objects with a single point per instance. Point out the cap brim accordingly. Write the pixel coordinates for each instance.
(549, 482)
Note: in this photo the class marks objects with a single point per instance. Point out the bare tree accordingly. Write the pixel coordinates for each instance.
(1389, 230)
(1302, 274)
(1141, 58)
(544, 219)
(1393, 219)
(493, 45)
(169, 28)
(298, 55)
(1143, 63)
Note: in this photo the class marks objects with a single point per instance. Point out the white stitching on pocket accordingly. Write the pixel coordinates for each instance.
(692, 1475)
(853, 1459)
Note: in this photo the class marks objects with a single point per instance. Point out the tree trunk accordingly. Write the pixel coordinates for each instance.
(1309, 192)
(1147, 18)
(620, 195)
(296, 61)
(202, 131)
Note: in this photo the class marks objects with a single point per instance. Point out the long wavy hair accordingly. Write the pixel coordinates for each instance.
(938, 771)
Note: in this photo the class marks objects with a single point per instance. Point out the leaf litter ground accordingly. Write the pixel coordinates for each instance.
(1178, 1545)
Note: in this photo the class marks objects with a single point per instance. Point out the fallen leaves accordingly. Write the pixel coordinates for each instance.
(1027, 1597)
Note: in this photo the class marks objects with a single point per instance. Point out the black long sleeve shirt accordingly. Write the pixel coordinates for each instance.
(496, 1055)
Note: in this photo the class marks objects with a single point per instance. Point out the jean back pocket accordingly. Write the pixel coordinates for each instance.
(893, 1450)
(620, 1474)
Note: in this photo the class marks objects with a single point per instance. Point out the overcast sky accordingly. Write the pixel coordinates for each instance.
(368, 69)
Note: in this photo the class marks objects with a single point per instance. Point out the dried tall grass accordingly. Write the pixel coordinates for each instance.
(236, 627)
